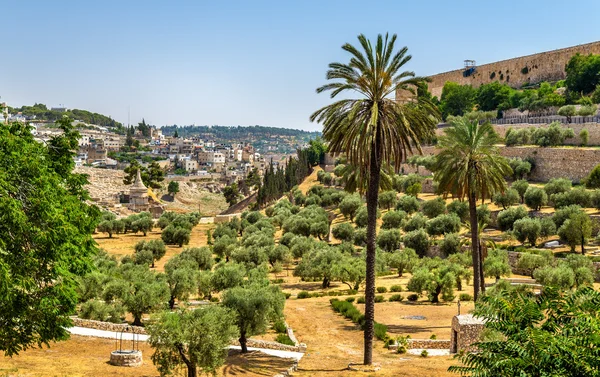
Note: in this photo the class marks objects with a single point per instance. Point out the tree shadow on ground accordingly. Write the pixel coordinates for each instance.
(255, 362)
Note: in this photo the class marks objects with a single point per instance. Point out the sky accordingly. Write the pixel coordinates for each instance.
(249, 62)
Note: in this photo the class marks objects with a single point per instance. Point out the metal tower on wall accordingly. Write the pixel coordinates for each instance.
(470, 68)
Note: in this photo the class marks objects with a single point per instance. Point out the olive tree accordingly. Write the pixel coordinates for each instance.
(402, 260)
(155, 248)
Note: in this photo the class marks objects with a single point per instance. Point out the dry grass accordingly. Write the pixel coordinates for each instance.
(82, 356)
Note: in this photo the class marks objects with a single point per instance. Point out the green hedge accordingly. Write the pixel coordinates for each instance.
(348, 310)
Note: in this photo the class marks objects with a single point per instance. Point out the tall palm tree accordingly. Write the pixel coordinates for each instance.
(374, 130)
(470, 165)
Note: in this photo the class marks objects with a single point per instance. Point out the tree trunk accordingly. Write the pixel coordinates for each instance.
(481, 258)
(172, 302)
(137, 321)
(192, 371)
(372, 198)
(243, 342)
(582, 245)
(474, 244)
(191, 367)
(325, 283)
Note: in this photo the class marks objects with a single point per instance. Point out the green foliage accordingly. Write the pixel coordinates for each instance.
(393, 219)
(389, 239)
(583, 73)
(255, 306)
(593, 180)
(433, 208)
(465, 297)
(507, 217)
(435, 276)
(519, 167)
(418, 241)
(460, 209)
(521, 187)
(284, 339)
(578, 196)
(403, 260)
(584, 136)
(564, 213)
(415, 222)
(361, 217)
(173, 188)
(587, 110)
(557, 186)
(535, 198)
(548, 335)
(414, 189)
(45, 235)
(527, 229)
(100, 311)
(456, 99)
(507, 198)
(154, 248)
(576, 230)
(303, 294)
(533, 260)
(350, 205)
(450, 244)
(387, 199)
(412, 297)
(227, 275)
(408, 204)
(443, 224)
(152, 176)
(381, 289)
(173, 235)
(197, 339)
(231, 194)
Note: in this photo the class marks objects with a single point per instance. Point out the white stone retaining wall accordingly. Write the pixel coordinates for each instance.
(107, 326)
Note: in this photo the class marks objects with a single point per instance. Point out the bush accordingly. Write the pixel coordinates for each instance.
(380, 331)
(460, 209)
(418, 241)
(360, 237)
(381, 289)
(408, 204)
(416, 221)
(535, 198)
(443, 224)
(578, 196)
(396, 288)
(361, 217)
(101, 311)
(507, 198)
(450, 244)
(563, 214)
(284, 339)
(484, 215)
(424, 353)
(584, 136)
(361, 300)
(527, 229)
(557, 185)
(393, 219)
(379, 298)
(396, 298)
(349, 299)
(287, 295)
(465, 297)
(434, 208)
(303, 294)
(521, 187)
(343, 232)
(280, 327)
(389, 240)
(412, 297)
(507, 217)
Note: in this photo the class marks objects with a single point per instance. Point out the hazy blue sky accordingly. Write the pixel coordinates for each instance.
(249, 62)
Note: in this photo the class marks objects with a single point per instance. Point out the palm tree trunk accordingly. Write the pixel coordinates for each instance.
(372, 198)
(474, 244)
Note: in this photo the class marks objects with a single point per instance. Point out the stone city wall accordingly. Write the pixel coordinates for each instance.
(543, 66)
(559, 162)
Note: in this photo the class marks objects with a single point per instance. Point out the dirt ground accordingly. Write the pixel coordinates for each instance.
(83, 356)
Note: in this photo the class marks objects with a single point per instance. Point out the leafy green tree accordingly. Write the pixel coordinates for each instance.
(45, 235)
(460, 209)
(255, 306)
(492, 95)
(202, 256)
(350, 205)
(527, 229)
(507, 198)
(531, 261)
(343, 232)
(320, 264)
(362, 216)
(469, 165)
(389, 240)
(182, 275)
(227, 275)
(578, 196)
(521, 187)
(496, 264)
(418, 241)
(433, 208)
(387, 199)
(231, 194)
(583, 73)
(584, 136)
(402, 260)
(416, 222)
(173, 188)
(456, 99)
(152, 176)
(175, 235)
(380, 133)
(393, 219)
(443, 224)
(576, 230)
(567, 111)
(507, 217)
(414, 189)
(155, 248)
(435, 276)
(535, 198)
(548, 335)
(450, 244)
(519, 167)
(350, 271)
(198, 339)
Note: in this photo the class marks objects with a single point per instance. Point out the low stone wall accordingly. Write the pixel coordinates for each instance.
(256, 343)
(435, 344)
(126, 359)
(107, 326)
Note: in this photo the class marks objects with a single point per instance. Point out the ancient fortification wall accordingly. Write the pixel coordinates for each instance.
(543, 66)
(572, 163)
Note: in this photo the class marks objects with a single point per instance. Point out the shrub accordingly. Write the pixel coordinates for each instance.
(380, 331)
(408, 204)
(287, 295)
(360, 237)
(460, 209)
(557, 185)
(396, 298)
(349, 299)
(507, 217)
(527, 229)
(484, 215)
(450, 244)
(303, 294)
(389, 240)
(280, 327)
(506, 198)
(284, 339)
(443, 224)
(101, 311)
(361, 300)
(416, 221)
(535, 198)
(434, 208)
(433, 337)
(548, 227)
(418, 241)
(361, 217)
(382, 289)
(396, 288)
(412, 297)
(393, 219)
(521, 187)
(584, 136)
(578, 196)
(343, 232)
(379, 298)
(424, 353)
(563, 214)
(587, 110)
(465, 297)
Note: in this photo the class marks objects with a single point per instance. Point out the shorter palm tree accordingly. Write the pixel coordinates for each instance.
(469, 165)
